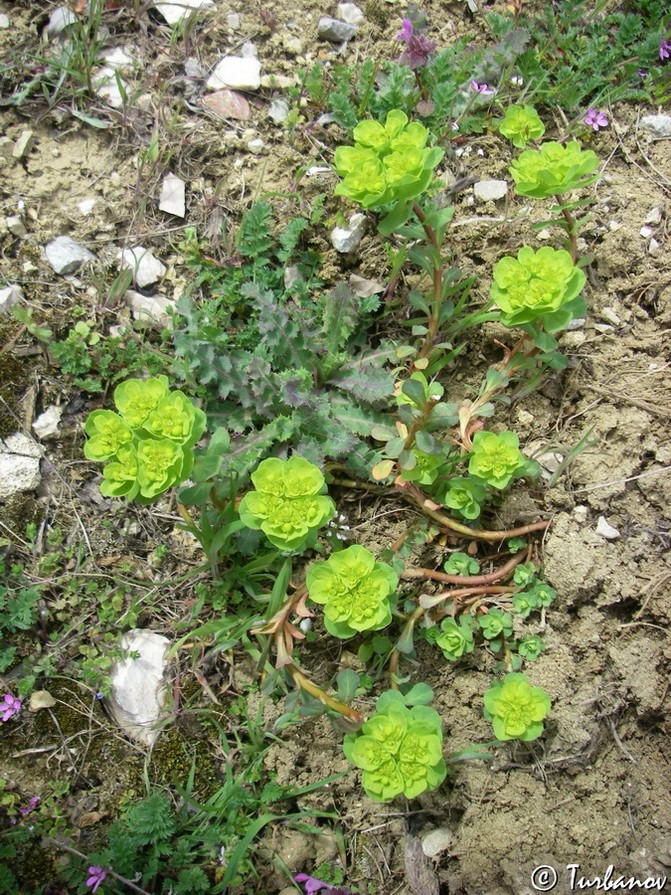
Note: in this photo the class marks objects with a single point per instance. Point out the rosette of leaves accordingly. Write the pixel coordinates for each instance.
(521, 124)
(541, 287)
(456, 637)
(148, 443)
(553, 169)
(399, 749)
(355, 591)
(465, 495)
(461, 564)
(515, 708)
(289, 503)
(497, 459)
(531, 646)
(496, 624)
(389, 162)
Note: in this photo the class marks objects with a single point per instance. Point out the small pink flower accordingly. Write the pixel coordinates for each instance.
(406, 31)
(9, 706)
(31, 806)
(596, 119)
(665, 49)
(482, 89)
(96, 876)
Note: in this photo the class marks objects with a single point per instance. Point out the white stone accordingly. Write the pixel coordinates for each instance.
(106, 86)
(334, 30)
(19, 465)
(436, 841)
(233, 21)
(490, 190)
(16, 226)
(150, 310)
(292, 276)
(350, 13)
(610, 316)
(606, 530)
(10, 296)
(147, 269)
(61, 18)
(249, 50)
(173, 196)
(66, 256)
(176, 10)
(22, 144)
(278, 82)
(236, 72)
(544, 235)
(656, 125)
(580, 514)
(576, 323)
(653, 247)
(278, 110)
(525, 417)
(645, 232)
(346, 239)
(138, 685)
(117, 58)
(255, 145)
(4, 20)
(603, 328)
(614, 226)
(314, 170)
(550, 461)
(47, 423)
(86, 206)
(654, 215)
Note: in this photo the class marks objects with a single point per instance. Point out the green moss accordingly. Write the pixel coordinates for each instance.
(172, 758)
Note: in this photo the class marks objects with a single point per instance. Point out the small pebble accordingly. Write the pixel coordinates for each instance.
(580, 514)
(606, 530)
(645, 232)
(610, 316)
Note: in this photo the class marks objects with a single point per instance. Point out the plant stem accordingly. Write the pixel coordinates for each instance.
(321, 696)
(571, 229)
(474, 580)
(434, 316)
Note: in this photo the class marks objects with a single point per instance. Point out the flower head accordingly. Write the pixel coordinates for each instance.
(553, 169)
(596, 119)
(418, 47)
(496, 458)
(482, 89)
(515, 708)
(521, 124)
(406, 31)
(9, 707)
(313, 886)
(96, 876)
(665, 49)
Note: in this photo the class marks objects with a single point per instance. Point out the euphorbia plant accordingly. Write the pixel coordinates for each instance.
(515, 708)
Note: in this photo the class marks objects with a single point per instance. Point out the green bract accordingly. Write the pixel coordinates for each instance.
(515, 708)
(553, 169)
(456, 638)
(354, 590)
(521, 124)
(465, 496)
(289, 504)
(399, 750)
(426, 468)
(148, 442)
(389, 162)
(538, 287)
(496, 458)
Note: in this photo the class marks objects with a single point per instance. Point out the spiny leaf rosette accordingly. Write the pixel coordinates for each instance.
(399, 750)
(288, 504)
(148, 443)
(388, 163)
(354, 590)
(515, 708)
(538, 287)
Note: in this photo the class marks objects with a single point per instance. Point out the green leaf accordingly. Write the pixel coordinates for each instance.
(340, 316)
(395, 219)
(414, 390)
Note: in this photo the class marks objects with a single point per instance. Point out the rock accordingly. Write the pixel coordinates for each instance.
(278, 82)
(576, 323)
(292, 45)
(255, 145)
(350, 13)
(16, 226)
(147, 269)
(23, 144)
(654, 215)
(106, 86)
(61, 18)
(138, 685)
(173, 196)
(227, 104)
(645, 232)
(40, 699)
(436, 841)
(237, 72)
(490, 190)
(653, 247)
(278, 110)
(603, 328)
(606, 530)
(19, 465)
(86, 206)
(4, 20)
(365, 288)
(66, 256)
(47, 423)
(609, 315)
(550, 461)
(177, 10)
(334, 30)
(580, 514)
(150, 310)
(117, 58)
(292, 276)
(233, 21)
(249, 50)
(346, 239)
(656, 125)
(193, 69)
(6, 148)
(10, 296)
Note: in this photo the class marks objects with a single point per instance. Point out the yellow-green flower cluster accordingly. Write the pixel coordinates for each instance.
(388, 163)
(354, 590)
(288, 503)
(521, 124)
(148, 443)
(553, 169)
(515, 708)
(538, 287)
(399, 751)
(496, 458)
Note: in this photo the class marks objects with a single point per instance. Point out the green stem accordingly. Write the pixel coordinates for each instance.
(434, 316)
(571, 229)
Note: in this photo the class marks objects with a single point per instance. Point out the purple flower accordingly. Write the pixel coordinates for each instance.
(482, 89)
(406, 31)
(31, 806)
(96, 876)
(9, 706)
(596, 119)
(665, 49)
(418, 47)
(314, 886)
